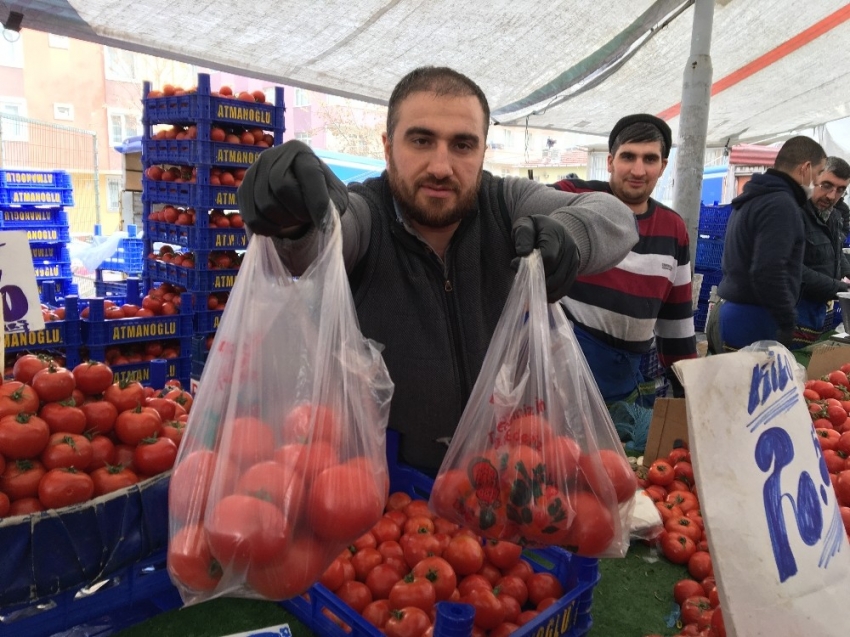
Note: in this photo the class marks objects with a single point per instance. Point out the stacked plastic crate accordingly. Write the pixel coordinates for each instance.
(712, 232)
(126, 262)
(34, 202)
(193, 236)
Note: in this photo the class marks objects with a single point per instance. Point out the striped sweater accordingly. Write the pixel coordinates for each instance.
(648, 294)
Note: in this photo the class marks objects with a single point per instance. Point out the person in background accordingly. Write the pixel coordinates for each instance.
(763, 251)
(430, 246)
(824, 263)
(647, 296)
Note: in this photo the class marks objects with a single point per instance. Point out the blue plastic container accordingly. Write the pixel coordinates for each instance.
(34, 218)
(193, 152)
(52, 271)
(713, 220)
(130, 254)
(709, 253)
(197, 237)
(59, 234)
(35, 179)
(52, 291)
(30, 197)
(186, 194)
(49, 253)
(146, 372)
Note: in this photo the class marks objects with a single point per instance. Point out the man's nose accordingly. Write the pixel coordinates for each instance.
(440, 164)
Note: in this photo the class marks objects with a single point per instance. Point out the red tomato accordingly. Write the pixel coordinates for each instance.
(592, 529)
(100, 415)
(513, 586)
(134, 425)
(64, 487)
(167, 409)
(92, 377)
(154, 455)
(356, 594)
(279, 484)
(381, 580)
(23, 436)
(377, 613)
(344, 502)
(677, 548)
(418, 524)
(521, 569)
(53, 383)
(191, 480)
(334, 575)
(182, 398)
(407, 622)
(397, 501)
(25, 506)
(63, 417)
(173, 430)
(309, 423)
(5, 505)
(543, 585)
(67, 450)
(125, 395)
(489, 611)
(614, 467)
(27, 366)
(20, 479)
(16, 398)
(561, 456)
(685, 588)
(700, 566)
(685, 472)
(502, 554)
(685, 500)
(660, 472)
(441, 575)
(251, 441)
(103, 451)
(109, 478)
(364, 560)
(291, 571)
(677, 455)
(717, 623)
(685, 526)
(418, 546)
(465, 554)
(190, 561)
(693, 607)
(243, 530)
(471, 582)
(386, 529)
(503, 630)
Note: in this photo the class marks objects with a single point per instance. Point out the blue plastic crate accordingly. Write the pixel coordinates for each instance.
(700, 316)
(179, 368)
(710, 278)
(202, 106)
(100, 332)
(52, 290)
(187, 194)
(35, 179)
(193, 152)
(49, 270)
(197, 237)
(129, 257)
(570, 614)
(197, 279)
(35, 218)
(50, 552)
(49, 252)
(207, 321)
(16, 196)
(650, 367)
(713, 220)
(56, 334)
(709, 253)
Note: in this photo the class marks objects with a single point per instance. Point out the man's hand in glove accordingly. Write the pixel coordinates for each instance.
(287, 188)
(559, 252)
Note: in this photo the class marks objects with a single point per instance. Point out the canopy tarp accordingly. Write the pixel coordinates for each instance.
(779, 65)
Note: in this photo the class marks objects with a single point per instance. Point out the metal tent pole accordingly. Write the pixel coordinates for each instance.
(693, 122)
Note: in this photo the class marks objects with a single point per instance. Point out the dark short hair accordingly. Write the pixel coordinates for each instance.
(837, 167)
(440, 80)
(640, 133)
(798, 150)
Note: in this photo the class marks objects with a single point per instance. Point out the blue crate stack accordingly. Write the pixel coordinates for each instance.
(709, 253)
(201, 154)
(128, 260)
(34, 201)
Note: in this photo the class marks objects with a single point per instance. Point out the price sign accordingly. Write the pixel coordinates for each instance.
(779, 548)
(18, 287)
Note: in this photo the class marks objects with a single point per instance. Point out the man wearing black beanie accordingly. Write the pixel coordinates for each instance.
(646, 298)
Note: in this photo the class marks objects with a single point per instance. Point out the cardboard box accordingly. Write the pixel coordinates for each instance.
(668, 428)
(826, 358)
(133, 180)
(133, 161)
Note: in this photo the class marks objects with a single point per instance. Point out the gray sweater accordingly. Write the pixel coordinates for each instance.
(434, 317)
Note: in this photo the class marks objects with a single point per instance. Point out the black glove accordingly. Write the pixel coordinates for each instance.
(557, 248)
(785, 336)
(288, 186)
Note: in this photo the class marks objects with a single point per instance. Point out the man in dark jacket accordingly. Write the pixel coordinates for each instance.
(429, 245)
(763, 251)
(824, 265)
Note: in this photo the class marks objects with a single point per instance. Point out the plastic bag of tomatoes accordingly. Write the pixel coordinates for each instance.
(536, 459)
(283, 461)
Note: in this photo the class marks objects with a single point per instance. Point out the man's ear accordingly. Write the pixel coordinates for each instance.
(610, 163)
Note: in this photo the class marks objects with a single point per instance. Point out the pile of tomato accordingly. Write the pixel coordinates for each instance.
(828, 400)
(67, 436)
(411, 559)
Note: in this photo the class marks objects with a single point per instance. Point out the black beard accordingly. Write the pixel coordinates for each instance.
(431, 218)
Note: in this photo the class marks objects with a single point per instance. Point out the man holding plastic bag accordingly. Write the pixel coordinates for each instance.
(431, 246)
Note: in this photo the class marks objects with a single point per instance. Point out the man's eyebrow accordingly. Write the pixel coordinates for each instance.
(427, 132)
(419, 130)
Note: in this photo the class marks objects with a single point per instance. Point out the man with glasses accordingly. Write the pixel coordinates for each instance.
(824, 264)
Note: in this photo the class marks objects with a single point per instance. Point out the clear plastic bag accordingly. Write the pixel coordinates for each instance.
(536, 459)
(283, 462)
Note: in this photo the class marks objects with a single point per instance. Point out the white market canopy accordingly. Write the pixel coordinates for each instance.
(779, 65)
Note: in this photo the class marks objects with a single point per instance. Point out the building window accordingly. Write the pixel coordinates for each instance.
(122, 124)
(121, 65)
(57, 41)
(11, 128)
(304, 137)
(301, 97)
(11, 53)
(113, 193)
(63, 111)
